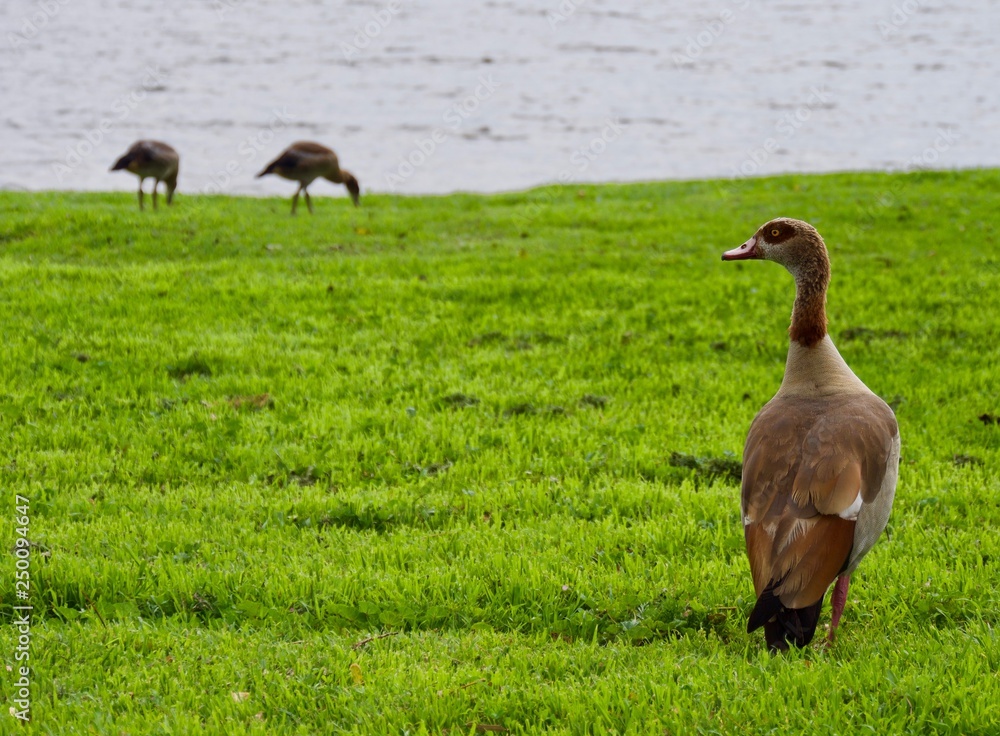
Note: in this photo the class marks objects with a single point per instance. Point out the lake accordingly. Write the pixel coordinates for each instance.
(428, 97)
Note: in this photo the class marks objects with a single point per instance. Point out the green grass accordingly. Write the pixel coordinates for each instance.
(498, 432)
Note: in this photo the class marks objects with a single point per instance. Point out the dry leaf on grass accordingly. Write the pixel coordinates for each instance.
(260, 401)
(356, 674)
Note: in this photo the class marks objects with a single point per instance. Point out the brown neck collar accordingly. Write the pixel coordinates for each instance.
(812, 276)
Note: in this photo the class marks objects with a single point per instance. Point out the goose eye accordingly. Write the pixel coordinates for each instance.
(775, 233)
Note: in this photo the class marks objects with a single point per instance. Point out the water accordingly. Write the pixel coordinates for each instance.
(423, 97)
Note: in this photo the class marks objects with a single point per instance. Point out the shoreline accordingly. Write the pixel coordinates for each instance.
(336, 194)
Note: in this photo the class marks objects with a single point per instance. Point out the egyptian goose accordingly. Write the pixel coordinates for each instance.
(305, 162)
(151, 159)
(820, 462)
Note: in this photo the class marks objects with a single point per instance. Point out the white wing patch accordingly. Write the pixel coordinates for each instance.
(852, 511)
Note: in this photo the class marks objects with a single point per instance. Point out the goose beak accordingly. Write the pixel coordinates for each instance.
(747, 250)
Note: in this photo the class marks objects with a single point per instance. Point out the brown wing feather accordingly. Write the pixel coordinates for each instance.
(310, 148)
(153, 152)
(805, 462)
(301, 159)
(150, 158)
(811, 562)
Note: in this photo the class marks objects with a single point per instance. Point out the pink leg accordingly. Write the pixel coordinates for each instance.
(837, 602)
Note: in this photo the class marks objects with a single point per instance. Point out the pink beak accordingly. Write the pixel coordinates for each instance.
(747, 250)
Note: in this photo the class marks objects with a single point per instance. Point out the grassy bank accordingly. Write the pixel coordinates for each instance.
(444, 462)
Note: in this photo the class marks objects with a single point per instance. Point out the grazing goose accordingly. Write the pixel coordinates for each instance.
(151, 159)
(820, 462)
(305, 162)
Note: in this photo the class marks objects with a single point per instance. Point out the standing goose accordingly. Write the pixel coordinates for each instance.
(305, 162)
(151, 159)
(820, 462)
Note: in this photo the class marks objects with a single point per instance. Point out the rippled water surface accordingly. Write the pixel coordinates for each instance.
(445, 95)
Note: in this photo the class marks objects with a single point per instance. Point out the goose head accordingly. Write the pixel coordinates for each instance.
(794, 244)
(353, 188)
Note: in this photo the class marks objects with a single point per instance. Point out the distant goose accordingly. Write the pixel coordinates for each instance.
(820, 462)
(152, 159)
(305, 162)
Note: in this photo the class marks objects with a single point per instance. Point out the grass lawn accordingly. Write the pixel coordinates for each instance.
(470, 463)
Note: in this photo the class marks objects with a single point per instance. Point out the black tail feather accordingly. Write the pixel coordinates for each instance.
(784, 626)
(123, 162)
(269, 170)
